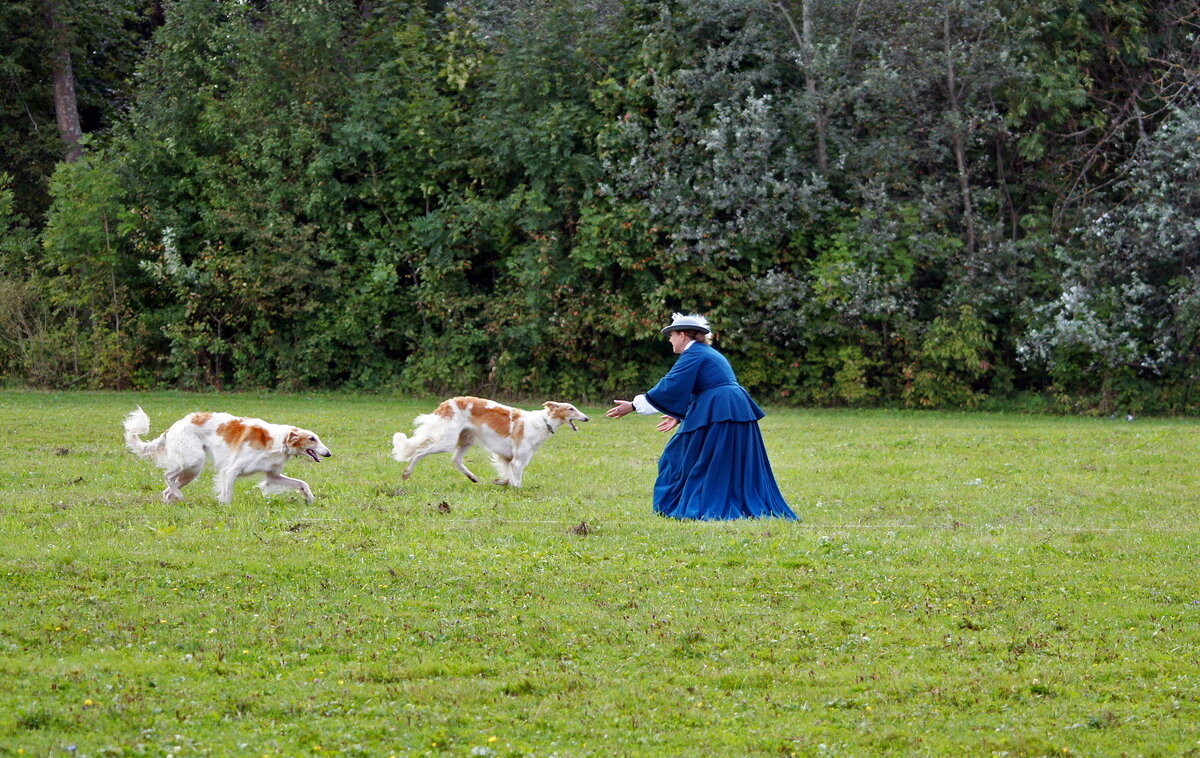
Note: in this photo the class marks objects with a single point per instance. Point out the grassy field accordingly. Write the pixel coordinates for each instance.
(960, 585)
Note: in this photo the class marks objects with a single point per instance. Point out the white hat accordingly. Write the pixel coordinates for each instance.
(689, 321)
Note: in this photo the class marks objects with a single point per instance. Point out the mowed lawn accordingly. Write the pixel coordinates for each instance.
(961, 584)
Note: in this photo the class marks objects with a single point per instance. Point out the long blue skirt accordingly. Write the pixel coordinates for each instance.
(718, 472)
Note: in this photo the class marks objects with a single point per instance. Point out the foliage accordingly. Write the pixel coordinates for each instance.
(88, 277)
(105, 38)
(509, 197)
(953, 358)
(714, 139)
(1126, 304)
(249, 193)
(21, 315)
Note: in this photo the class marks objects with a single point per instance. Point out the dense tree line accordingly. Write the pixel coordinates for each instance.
(931, 203)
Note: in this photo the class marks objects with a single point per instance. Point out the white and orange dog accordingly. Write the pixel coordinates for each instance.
(236, 446)
(511, 435)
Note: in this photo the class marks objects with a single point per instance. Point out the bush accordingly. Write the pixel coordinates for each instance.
(953, 359)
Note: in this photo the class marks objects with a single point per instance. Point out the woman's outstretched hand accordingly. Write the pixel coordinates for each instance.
(622, 408)
(668, 423)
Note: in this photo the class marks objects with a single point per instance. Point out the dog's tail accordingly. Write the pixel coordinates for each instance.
(400, 447)
(404, 447)
(425, 420)
(137, 424)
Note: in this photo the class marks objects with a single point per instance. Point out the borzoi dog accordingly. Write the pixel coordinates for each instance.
(236, 446)
(511, 435)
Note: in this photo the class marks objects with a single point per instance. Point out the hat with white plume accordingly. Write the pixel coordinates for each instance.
(690, 321)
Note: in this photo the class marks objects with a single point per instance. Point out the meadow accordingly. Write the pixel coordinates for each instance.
(961, 584)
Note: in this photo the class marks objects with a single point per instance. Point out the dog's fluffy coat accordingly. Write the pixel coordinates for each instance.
(237, 447)
(511, 435)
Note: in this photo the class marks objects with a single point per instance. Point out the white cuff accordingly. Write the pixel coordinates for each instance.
(642, 406)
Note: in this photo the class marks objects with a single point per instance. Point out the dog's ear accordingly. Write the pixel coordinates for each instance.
(549, 404)
(293, 438)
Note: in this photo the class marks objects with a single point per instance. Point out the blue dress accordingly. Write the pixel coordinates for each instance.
(715, 467)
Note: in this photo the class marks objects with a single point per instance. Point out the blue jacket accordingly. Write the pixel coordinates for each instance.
(701, 389)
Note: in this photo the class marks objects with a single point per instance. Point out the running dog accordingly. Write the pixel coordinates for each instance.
(511, 435)
(236, 446)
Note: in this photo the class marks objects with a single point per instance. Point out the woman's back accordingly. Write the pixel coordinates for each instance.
(716, 394)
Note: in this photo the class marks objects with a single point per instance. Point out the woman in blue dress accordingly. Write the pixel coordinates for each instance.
(715, 467)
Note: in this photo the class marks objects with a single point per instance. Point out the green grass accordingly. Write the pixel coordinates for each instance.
(961, 585)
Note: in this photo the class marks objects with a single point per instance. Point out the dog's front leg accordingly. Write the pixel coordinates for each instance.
(517, 469)
(280, 483)
(224, 483)
(503, 466)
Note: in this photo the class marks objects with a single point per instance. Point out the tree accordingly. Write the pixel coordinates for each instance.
(66, 108)
(1128, 304)
(804, 41)
(88, 47)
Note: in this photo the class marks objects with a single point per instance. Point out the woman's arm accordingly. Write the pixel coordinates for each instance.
(673, 393)
(639, 404)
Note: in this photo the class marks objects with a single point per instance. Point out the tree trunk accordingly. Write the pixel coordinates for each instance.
(810, 84)
(804, 38)
(959, 140)
(66, 108)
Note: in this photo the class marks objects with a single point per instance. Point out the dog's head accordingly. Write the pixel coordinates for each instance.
(303, 441)
(564, 413)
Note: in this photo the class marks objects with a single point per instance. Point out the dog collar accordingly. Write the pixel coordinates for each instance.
(548, 427)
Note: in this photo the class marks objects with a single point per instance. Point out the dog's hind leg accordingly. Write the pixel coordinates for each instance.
(400, 445)
(426, 434)
(430, 447)
(172, 494)
(464, 444)
(176, 481)
(184, 460)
